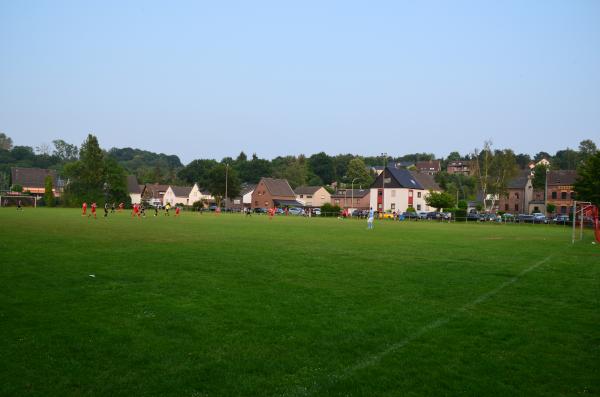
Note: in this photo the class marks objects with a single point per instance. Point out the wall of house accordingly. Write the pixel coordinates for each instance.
(136, 198)
(195, 195)
(317, 199)
(396, 199)
(247, 199)
(261, 197)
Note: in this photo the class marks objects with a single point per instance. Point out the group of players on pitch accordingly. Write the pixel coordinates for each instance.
(138, 210)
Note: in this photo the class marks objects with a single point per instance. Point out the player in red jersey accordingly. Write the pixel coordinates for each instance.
(93, 209)
(84, 209)
(177, 209)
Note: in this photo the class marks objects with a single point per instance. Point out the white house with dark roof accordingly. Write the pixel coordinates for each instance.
(134, 190)
(398, 189)
(177, 195)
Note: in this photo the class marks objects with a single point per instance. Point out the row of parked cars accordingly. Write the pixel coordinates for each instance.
(536, 217)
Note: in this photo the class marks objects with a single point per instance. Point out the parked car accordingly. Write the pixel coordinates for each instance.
(316, 212)
(360, 213)
(538, 217)
(561, 219)
(296, 211)
(473, 216)
(410, 215)
(508, 218)
(279, 211)
(212, 207)
(487, 217)
(525, 218)
(422, 214)
(433, 215)
(260, 210)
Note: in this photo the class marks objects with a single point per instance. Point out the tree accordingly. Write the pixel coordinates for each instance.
(216, 182)
(16, 188)
(493, 170)
(358, 170)
(322, 166)
(587, 185)
(241, 157)
(550, 208)
(48, 194)
(567, 159)
(523, 160)
(251, 171)
(6, 142)
(541, 156)
(453, 156)
(539, 176)
(587, 148)
(64, 151)
(197, 171)
(439, 200)
(95, 176)
(294, 169)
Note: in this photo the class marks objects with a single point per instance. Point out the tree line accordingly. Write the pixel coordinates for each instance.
(95, 172)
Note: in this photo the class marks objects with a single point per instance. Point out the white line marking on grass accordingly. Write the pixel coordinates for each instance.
(375, 358)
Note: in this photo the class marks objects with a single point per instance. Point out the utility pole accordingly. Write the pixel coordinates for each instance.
(384, 155)
(352, 194)
(546, 193)
(226, 172)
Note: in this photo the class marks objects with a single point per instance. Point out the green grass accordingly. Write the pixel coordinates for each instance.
(232, 306)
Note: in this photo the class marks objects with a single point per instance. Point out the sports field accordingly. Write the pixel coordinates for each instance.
(206, 305)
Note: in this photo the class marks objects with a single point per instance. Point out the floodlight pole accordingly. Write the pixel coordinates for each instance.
(574, 219)
(384, 155)
(352, 194)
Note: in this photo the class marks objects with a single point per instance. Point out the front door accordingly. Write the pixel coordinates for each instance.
(379, 199)
(410, 198)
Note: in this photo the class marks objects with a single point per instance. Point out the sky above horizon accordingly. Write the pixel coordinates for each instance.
(210, 79)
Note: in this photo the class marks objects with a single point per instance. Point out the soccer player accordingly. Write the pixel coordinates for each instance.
(177, 211)
(155, 210)
(134, 211)
(106, 210)
(19, 206)
(84, 209)
(112, 208)
(167, 208)
(142, 210)
(370, 220)
(93, 209)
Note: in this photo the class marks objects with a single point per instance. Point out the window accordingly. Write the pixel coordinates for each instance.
(516, 207)
(563, 195)
(563, 209)
(266, 203)
(572, 195)
(393, 206)
(419, 194)
(554, 195)
(322, 197)
(301, 196)
(505, 207)
(308, 196)
(418, 207)
(337, 202)
(517, 195)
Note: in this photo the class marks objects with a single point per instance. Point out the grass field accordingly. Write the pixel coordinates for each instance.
(232, 306)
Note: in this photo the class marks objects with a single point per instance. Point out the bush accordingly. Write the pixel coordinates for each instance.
(460, 214)
(463, 205)
(411, 209)
(330, 210)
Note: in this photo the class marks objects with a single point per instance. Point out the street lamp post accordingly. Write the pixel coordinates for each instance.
(546, 192)
(352, 193)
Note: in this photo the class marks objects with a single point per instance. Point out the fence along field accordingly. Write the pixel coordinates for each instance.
(233, 305)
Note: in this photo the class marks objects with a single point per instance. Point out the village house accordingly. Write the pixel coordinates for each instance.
(560, 189)
(33, 180)
(430, 167)
(312, 196)
(398, 189)
(177, 195)
(519, 194)
(352, 199)
(462, 167)
(134, 190)
(154, 193)
(272, 192)
(246, 194)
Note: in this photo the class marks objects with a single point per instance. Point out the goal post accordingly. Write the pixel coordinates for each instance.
(12, 200)
(582, 211)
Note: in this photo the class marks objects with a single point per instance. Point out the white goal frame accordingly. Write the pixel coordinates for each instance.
(13, 196)
(583, 206)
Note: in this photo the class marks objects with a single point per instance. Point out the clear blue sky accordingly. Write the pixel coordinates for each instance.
(209, 79)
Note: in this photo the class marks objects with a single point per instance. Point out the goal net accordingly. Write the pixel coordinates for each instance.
(14, 200)
(585, 214)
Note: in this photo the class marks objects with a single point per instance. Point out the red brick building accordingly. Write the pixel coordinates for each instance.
(431, 167)
(272, 192)
(352, 198)
(463, 167)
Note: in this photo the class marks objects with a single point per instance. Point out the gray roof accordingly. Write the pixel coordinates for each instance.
(520, 181)
(132, 185)
(288, 203)
(247, 189)
(306, 189)
(350, 193)
(405, 178)
(154, 190)
(562, 177)
(425, 180)
(181, 191)
(279, 187)
(31, 177)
